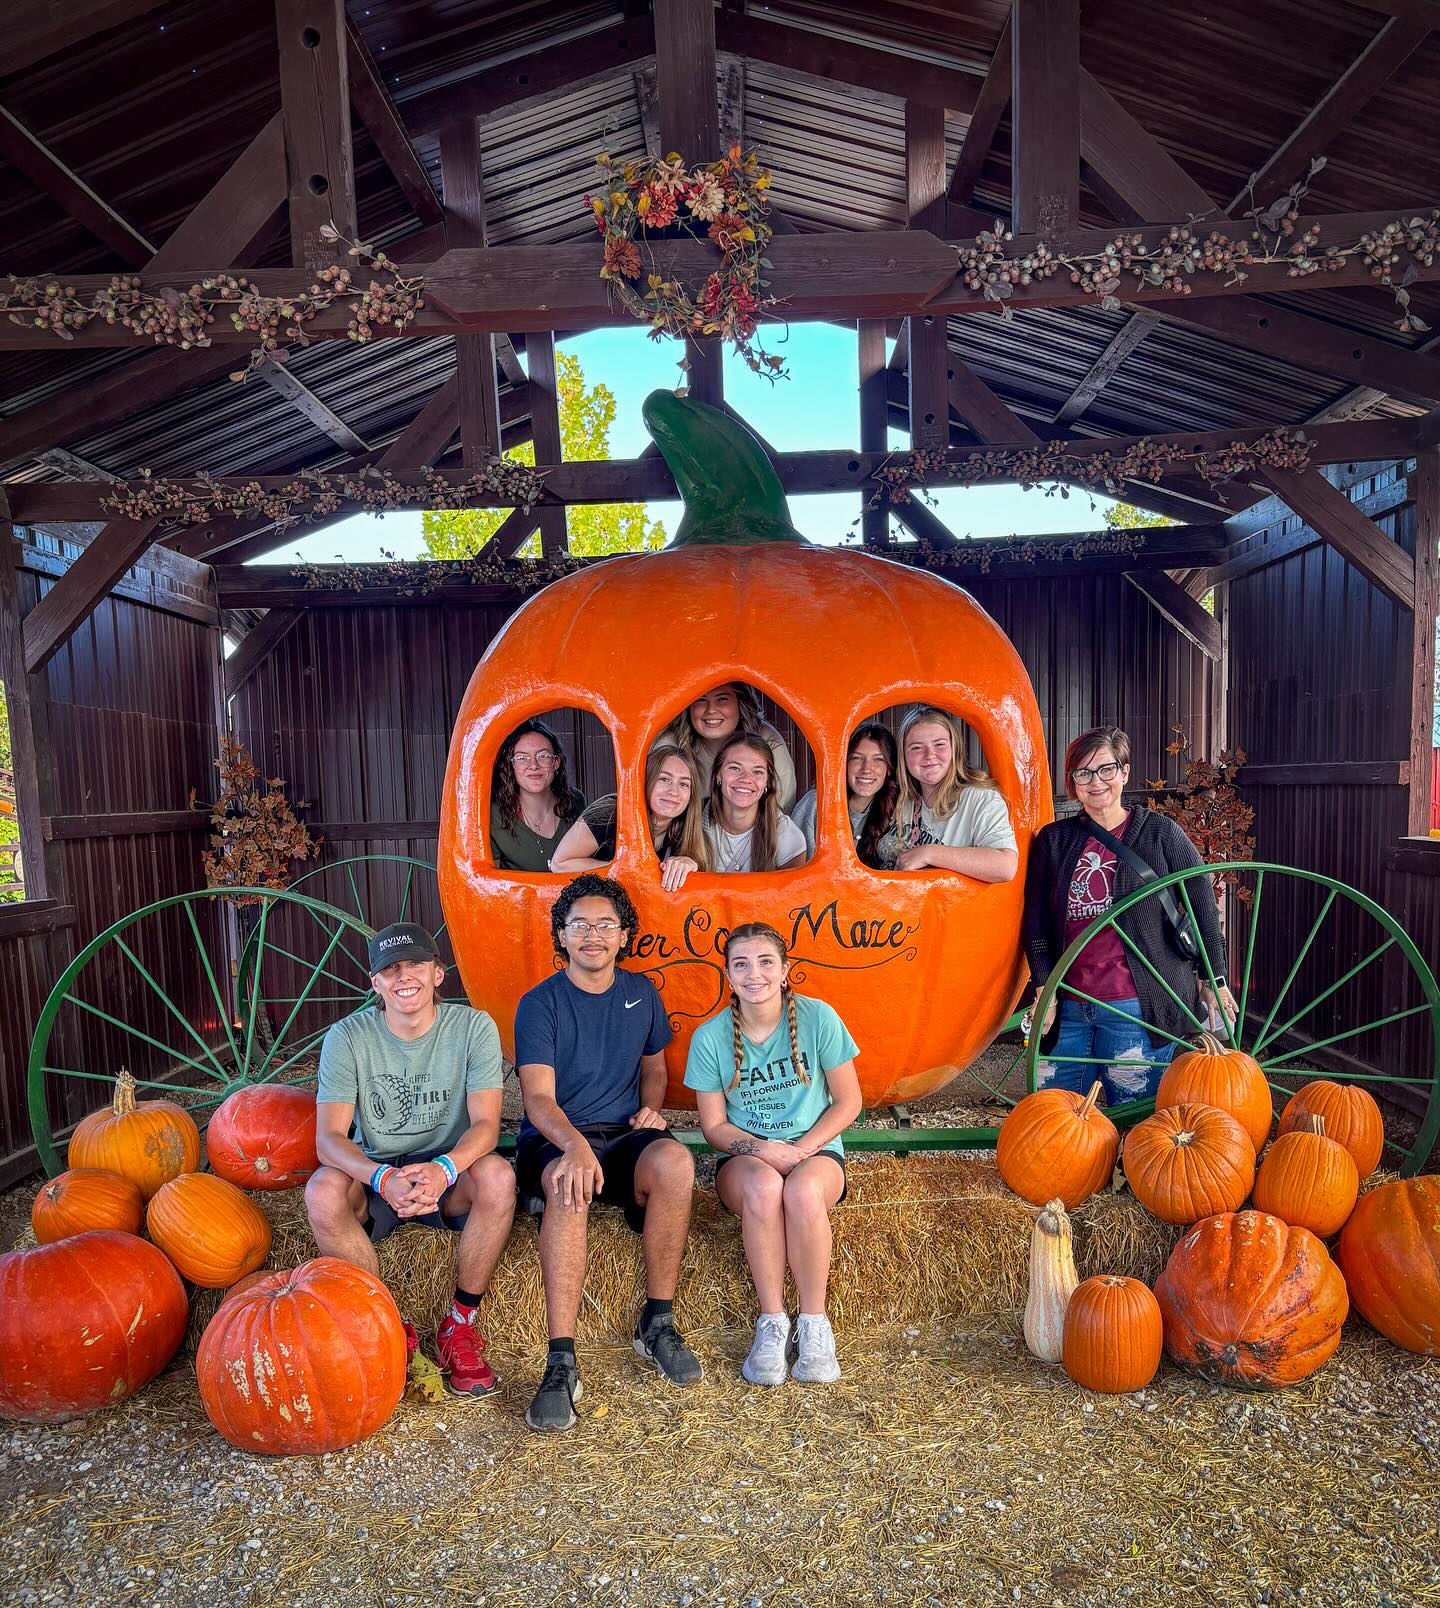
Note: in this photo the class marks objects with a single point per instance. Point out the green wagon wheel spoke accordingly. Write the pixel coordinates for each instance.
(254, 1010)
(139, 1033)
(1254, 919)
(405, 897)
(1353, 1032)
(169, 1005)
(1109, 1005)
(1209, 968)
(354, 890)
(223, 1010)
(303, 1049)
(1296, 964)
(1097, 1060)
(299, 960)
(315, 999)
(298, 1006)
(1320, 999)
(345, 948)
(1149, 966)
(109, 1077)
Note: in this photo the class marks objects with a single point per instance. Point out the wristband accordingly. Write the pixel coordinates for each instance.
(378, 1177)
(448, 1166)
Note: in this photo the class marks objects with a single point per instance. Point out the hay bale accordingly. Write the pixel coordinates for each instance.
(917, 1238)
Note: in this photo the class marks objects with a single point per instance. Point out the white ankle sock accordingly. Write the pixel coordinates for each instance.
(780, 1317)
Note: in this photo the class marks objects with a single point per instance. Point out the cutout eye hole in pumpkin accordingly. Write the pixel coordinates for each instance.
(923, 969)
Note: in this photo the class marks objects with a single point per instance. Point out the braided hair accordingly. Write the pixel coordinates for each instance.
(764, 931)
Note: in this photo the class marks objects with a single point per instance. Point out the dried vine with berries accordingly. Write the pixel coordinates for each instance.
(421, 577)
(723, 202)
(172, 317)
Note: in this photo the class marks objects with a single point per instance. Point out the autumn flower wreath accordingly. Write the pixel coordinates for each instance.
(724, 202)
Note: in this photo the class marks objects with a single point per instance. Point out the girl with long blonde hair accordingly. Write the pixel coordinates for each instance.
(676, 817)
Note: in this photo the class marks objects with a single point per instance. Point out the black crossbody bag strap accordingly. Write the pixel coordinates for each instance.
(1182, 933)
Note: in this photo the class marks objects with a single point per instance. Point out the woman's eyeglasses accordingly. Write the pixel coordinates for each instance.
(1105, 773)
(531, 761)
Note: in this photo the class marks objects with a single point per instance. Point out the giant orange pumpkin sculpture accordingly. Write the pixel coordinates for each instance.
(923, 966)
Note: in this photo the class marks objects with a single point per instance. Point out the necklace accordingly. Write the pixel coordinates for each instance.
(537, 829)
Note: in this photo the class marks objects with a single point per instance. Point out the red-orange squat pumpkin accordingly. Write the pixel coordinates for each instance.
(263, 1137)
(1223, 1077)
(150, 1141)
(1351, 1116)
(83, 1199)
(1188, 1162)
(212, 1231)
(922, 966)
(1056, 1143)
(1389, 1252)
(303, 1362)
(1113, 1337)
(84, 1323)
(1251, 1302)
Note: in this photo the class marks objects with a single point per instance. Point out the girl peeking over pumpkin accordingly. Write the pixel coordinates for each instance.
(744, 827)
(948, 817)
(774, 1078)
(871, 789)
(675, 811)
(702, 728)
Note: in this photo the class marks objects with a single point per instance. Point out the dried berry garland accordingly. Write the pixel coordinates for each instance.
(312, 494)
(421, 577)
(724, 202)
(983, 555)
(171, 317)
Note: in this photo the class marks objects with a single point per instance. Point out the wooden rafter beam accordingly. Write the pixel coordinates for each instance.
(372, 104)
(1106, 366)
(983, 412)
(514, 531)
(990, 105)
(309, 406)
(35, 29)
(315, 96)
(477, 370)
(927, 351)
(1426, 478)
(1426, 11)
(78, 592)
(1176, 605)
(29, 155)
(1045, 117)
(545, 432)
(1129, 169)
(1329, 512)
(874, 420)
(257, 645)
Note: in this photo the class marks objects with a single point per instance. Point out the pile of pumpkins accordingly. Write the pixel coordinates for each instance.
(305, 1361)
(1250, 1298)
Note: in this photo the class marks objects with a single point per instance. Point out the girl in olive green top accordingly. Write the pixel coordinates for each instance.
(532, 801)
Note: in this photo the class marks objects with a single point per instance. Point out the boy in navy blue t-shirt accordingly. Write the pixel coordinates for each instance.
(590, 1048)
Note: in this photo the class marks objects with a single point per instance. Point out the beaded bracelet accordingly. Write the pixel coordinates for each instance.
(377, 1178)
(448, 1166)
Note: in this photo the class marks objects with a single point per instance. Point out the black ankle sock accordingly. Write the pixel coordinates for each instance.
(563, 1348)
(655, 1309)
(468, 1298)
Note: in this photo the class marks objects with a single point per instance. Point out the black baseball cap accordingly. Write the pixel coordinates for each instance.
(401, 940)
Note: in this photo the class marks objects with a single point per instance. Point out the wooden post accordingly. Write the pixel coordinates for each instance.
(315, 95)
(545, 428)
(874, 423)
(462, 175)
(1045, 117)
(1427, 608)
(929, 370)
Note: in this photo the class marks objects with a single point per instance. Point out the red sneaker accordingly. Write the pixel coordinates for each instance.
(461, 1348)
(412, 1339)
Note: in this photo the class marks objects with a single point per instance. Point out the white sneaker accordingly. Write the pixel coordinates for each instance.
(816, 1364)
(766, 1363)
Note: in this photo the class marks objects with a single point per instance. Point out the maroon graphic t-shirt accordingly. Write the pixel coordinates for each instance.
(1102, 968)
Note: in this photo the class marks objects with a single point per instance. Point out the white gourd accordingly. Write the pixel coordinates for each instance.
(1052, 1282)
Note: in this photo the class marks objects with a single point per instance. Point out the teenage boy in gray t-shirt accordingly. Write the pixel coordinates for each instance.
(406, 1128)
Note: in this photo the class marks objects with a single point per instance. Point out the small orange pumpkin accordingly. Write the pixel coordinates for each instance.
(1351, 1115)
(1249, 1301)
(263, 1137)
(83, 1199)
(212, 1231)
(1188, 1162)
(1308, 1179)
(1390, 1255)
(1113, 1334)
(1226, 1078)
(1057, 1143)
(150, 1141)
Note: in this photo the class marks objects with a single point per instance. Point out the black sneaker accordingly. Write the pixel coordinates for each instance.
(674, 1361)
(553, 1409)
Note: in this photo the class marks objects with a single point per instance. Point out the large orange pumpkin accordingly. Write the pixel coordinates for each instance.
(923, 966)
(1223, 1077)
(1389, 1252)
(212, 1231)
(1249, 1301)
(86, 1198)
(151, 1141)
(1113, 1334)
(1188, 1162)
(1056, 1143)
(84, 1323)
(1351, 1118)
(263, 1137)
(1308, 1179)
(306, 1361)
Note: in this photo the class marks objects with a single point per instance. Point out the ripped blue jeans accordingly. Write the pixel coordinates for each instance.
(1134, 1063)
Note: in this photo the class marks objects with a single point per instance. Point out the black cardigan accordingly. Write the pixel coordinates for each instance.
(1157, 839)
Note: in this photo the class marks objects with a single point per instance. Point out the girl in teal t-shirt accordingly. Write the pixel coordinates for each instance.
(774, 1077)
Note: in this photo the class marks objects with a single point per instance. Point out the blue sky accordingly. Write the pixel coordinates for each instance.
(816, 407)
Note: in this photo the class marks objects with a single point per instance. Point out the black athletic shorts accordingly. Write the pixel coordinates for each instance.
(381, 1219)
(840, 1160)
(617, 1146)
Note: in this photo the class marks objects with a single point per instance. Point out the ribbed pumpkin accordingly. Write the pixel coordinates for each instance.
(83, 1199)
(151, 1141)
(212, 1231)
(263, 1137)
(1228, 1079)
(1188, 1162)
(1113, 1336)
(303, 1362)
(1351, 1116)
(1390, 1255)
(1057, 1143)
(84, 1323)
(1249, 1301)
(1308, 1179)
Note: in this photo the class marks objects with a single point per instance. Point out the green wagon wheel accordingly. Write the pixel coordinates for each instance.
(1304, 951)
(172, 1014)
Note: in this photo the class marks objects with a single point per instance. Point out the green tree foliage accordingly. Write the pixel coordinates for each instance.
(1123, 516)
(9, 824)
(586, 414)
